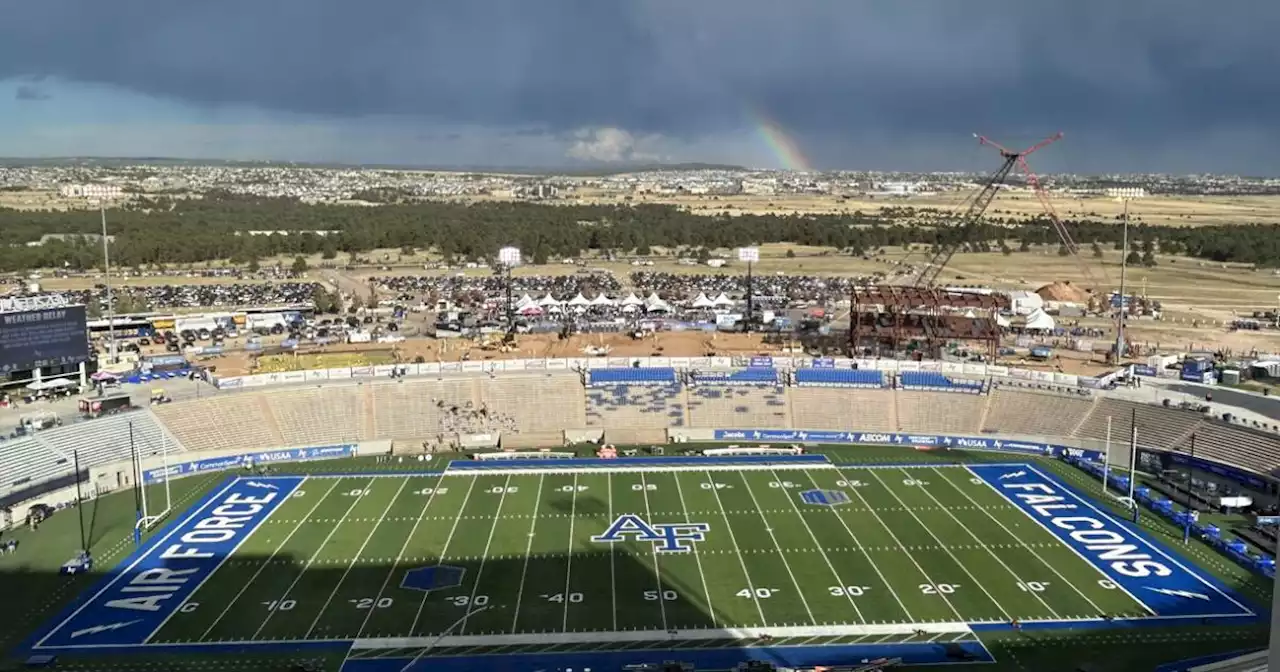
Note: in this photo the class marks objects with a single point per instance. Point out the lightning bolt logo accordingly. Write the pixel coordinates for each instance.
(1178, 593)
(1013, 474)
(103, 628)
(259, 484)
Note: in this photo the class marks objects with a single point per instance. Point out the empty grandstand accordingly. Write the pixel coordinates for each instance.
(738, 406)
(1032, 412)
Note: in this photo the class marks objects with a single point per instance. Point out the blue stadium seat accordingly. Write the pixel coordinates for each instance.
(839, 378)
(762, 375)
(932, 380)
(631, 376)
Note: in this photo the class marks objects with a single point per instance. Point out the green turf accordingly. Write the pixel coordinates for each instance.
(327, 564)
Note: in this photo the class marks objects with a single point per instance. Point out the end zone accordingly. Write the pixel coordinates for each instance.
(1150, 574)
(135, 600)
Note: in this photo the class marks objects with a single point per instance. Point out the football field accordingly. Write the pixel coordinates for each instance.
(807, 552)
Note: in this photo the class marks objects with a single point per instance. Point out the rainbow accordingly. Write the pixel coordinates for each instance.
(782, 145)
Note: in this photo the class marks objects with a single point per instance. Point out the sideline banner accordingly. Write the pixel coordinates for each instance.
(903, 439)
(247, 459)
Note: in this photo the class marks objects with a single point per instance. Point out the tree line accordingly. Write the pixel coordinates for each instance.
(164, 231)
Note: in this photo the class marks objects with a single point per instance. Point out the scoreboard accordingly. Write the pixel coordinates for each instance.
(55, 336)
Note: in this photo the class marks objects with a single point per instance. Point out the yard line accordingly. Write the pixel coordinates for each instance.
(271, 557)
(737, 550)
(980, 542)
(444, 551)
(528, 550)
(903, 548)
(356, 558)
(312, 559)
(697, 555)
(568, 567)
(400, 555)
(1023, 543)
(928, 531)
(657, 570)
(863, 551)
(839, 581)
(613, 575)
(475, 589)
(768, 528)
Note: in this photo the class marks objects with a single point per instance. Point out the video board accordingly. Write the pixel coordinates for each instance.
(46, 337)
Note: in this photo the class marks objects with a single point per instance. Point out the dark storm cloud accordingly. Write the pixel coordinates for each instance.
(29, 92)
(1152, 71)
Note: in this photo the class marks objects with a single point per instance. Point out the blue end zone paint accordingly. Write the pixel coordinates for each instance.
(438, 577)
(133, 602)
(825, 497)
(702, 659)
(674, 460)
(1151, 574)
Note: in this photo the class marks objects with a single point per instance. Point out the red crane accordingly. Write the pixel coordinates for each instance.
(978, 204)
(1063, 234)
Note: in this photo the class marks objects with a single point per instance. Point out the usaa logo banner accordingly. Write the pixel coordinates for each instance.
(666, 537)
(894, 438)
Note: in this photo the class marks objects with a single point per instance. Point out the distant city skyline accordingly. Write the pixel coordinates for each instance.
(1138, 87)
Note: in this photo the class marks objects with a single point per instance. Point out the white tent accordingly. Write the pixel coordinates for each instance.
(579, 300)
(1039, 320)
(723, 300)
(548, 300)
(524, 301)
(602, 300)
(1002, 321)
(632, 300)
(703, 302)
(655, 304)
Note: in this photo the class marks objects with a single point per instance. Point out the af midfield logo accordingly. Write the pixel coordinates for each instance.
(666, 537)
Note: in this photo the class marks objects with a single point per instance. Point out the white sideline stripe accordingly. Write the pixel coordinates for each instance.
(785, 563)
(518, 471)
(653, 549)
(1080, 555)
(1140, 537)
(122, 573)
(946, 549)
(661, 635)
(444, 550)
(225, 558)
(271, 557)
(1024, 544)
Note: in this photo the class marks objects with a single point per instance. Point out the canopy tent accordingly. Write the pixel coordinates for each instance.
(1002, 321)
(579, 300)
(104, 375)
(531, 310)
(524, 301)
(548, 300)
(56, 383)
(723, 300)
(632, 300)
(602, 300)
(1039, 320)
(703, 302)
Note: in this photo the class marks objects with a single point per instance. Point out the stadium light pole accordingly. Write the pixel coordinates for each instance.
(101, 195)
(509, 258)
(1124, 195)
(750, 255)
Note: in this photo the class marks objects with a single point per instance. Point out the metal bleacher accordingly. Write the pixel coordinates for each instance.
(943, 412)
(304, 415)
(1035, 412)
(1157, 427)
(873, 410)
(748, 406)
(537, 403)
(223, 422)
(814, 377)
(419, 409)
(636, 406)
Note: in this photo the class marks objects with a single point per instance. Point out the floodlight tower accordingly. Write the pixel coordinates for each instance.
(1124, 195)
(750, 255)
(508, 259)
(101, 195)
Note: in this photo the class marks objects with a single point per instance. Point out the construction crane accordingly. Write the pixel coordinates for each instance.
(1063, 234)
(977, 205)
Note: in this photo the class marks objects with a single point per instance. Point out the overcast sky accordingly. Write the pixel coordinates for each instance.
(1136, 85)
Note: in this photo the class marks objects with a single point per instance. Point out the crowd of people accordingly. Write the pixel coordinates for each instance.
(143, 298)
(470, 290)
(787, 287)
